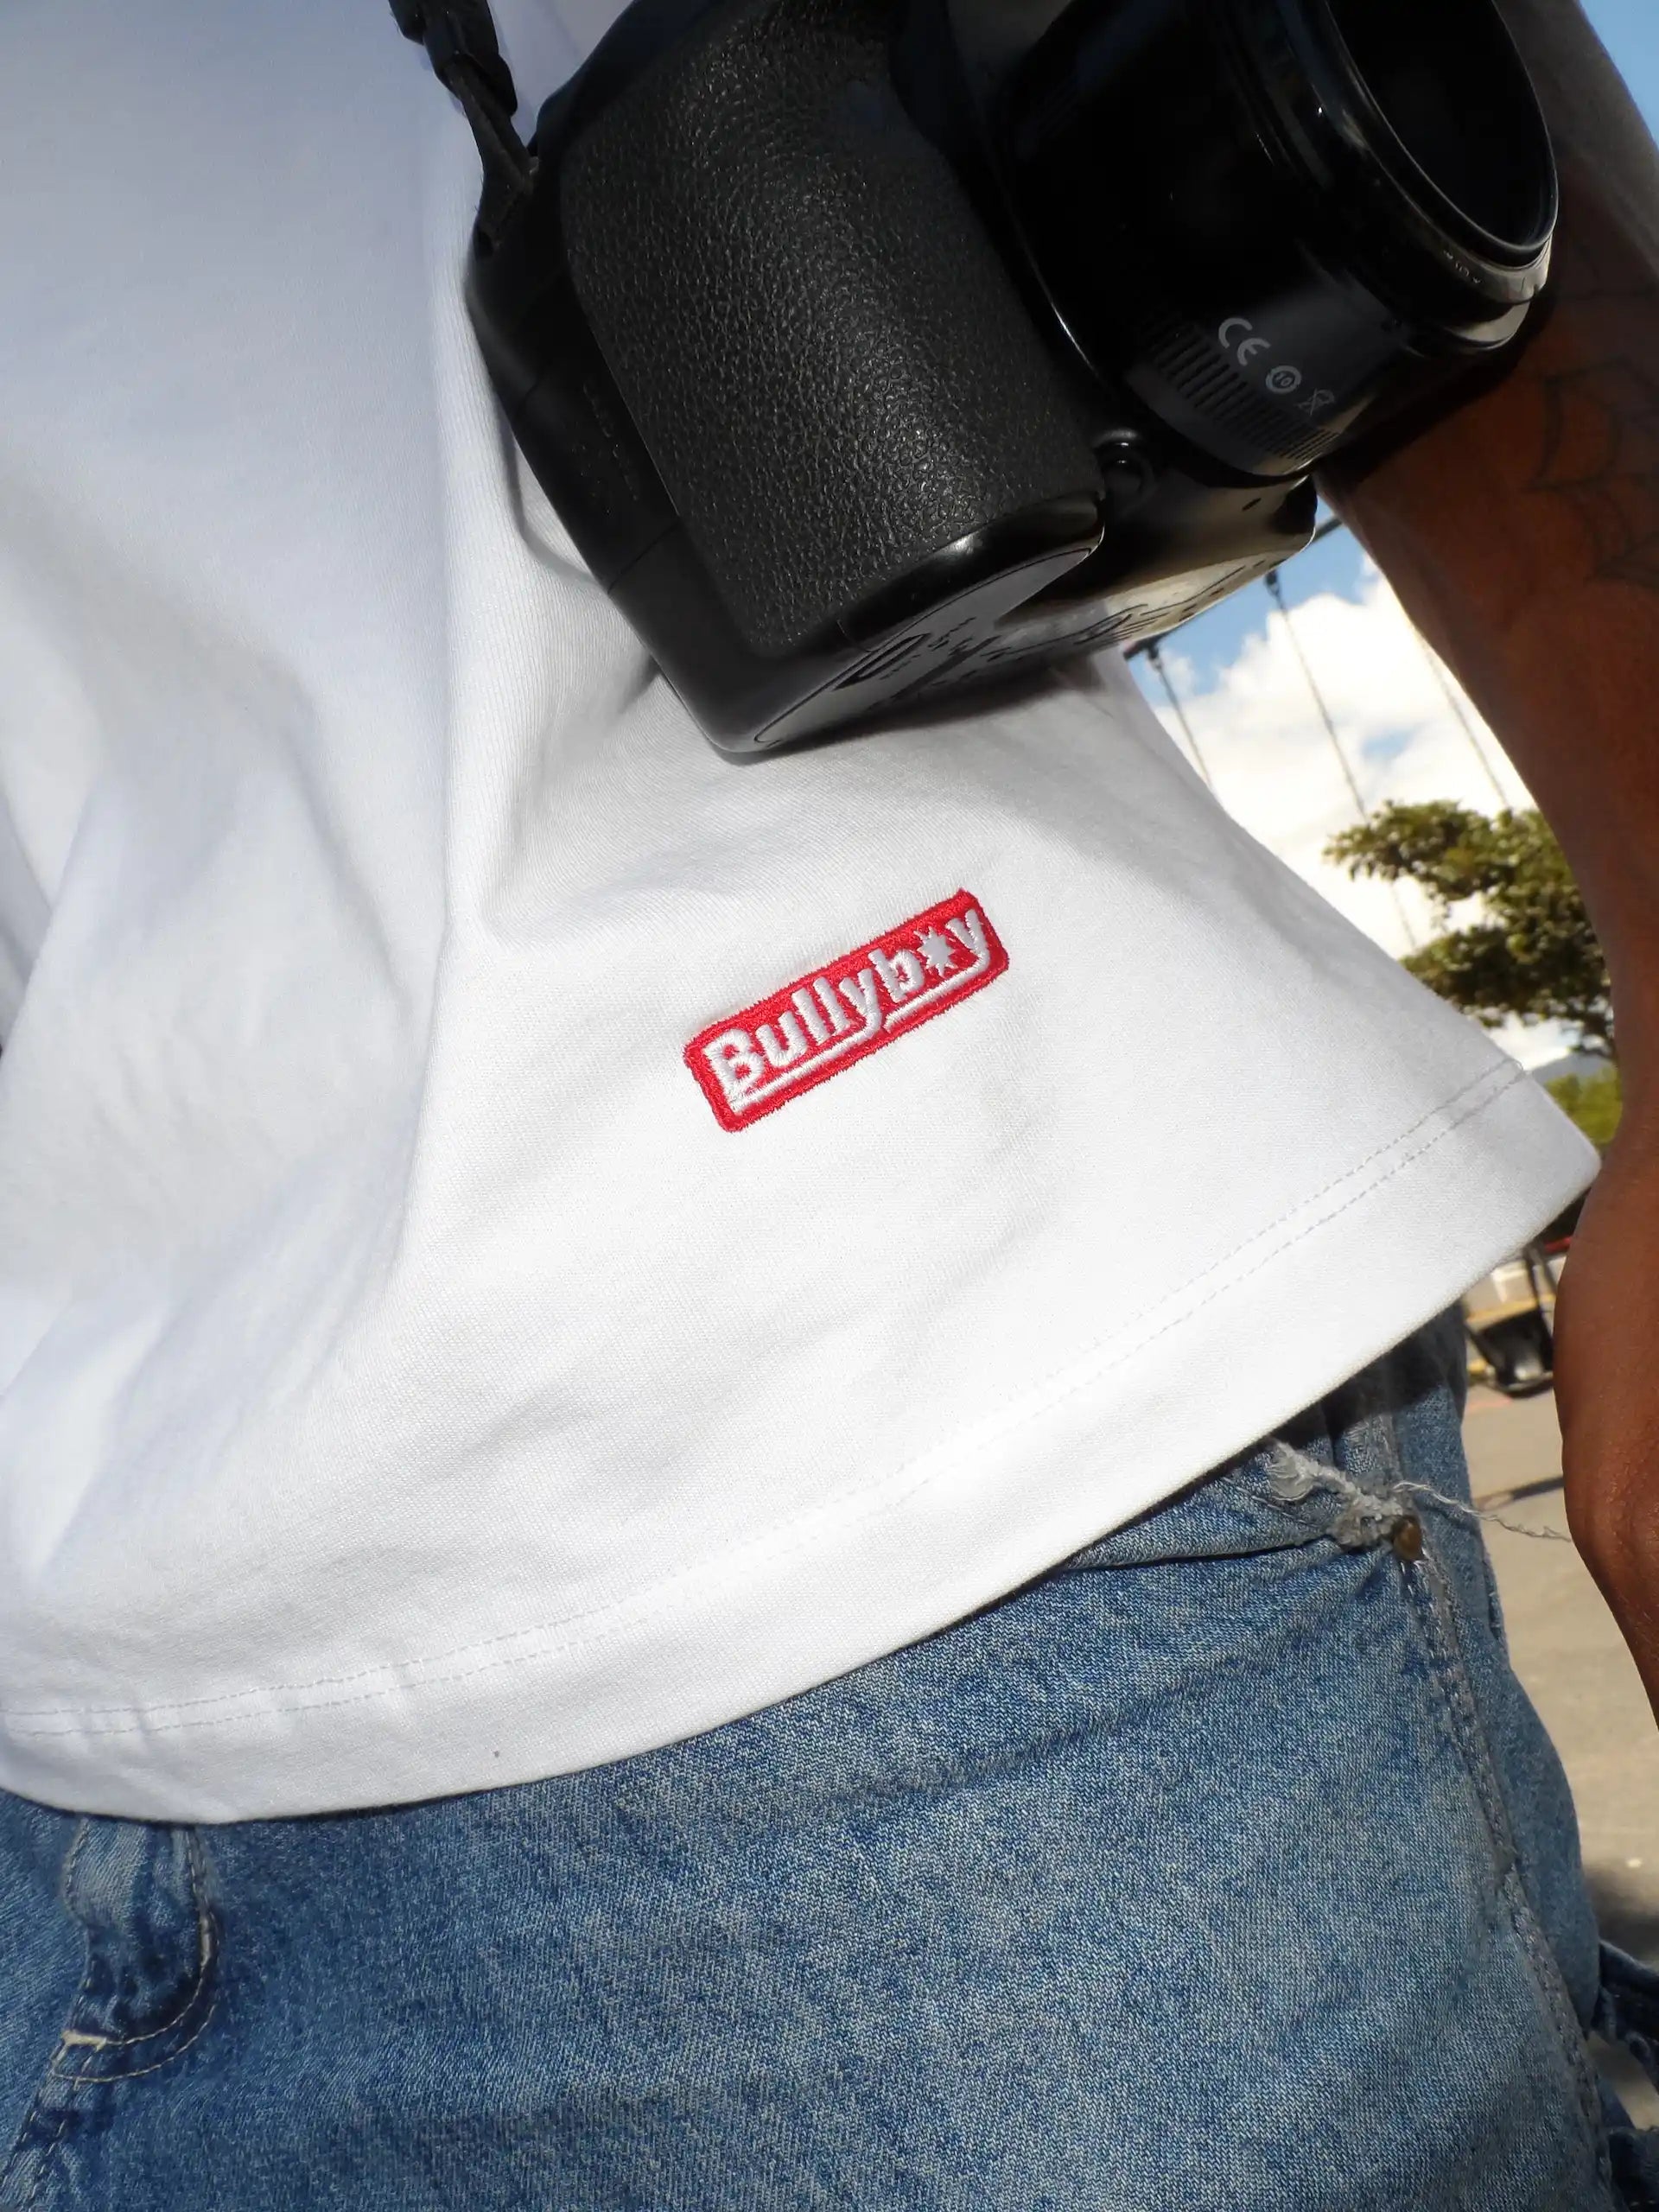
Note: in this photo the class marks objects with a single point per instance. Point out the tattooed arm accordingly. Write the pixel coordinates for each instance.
(1521, 531)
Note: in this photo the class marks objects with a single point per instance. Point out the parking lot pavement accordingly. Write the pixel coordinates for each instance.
(1579, 1674)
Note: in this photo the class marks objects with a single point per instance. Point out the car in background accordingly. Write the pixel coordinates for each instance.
(1509, 1317)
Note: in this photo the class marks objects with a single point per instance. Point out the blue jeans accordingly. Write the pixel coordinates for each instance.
(1225, 1866)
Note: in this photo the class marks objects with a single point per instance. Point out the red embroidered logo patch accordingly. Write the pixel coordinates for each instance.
(839, 1013)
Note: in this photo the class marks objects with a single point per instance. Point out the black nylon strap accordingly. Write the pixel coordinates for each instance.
(459, 37)
(458, 31)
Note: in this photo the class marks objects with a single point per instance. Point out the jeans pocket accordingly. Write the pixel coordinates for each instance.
(1628, 2012)
(1627, 2015)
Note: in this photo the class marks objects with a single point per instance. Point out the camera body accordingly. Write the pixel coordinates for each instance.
(869, 348)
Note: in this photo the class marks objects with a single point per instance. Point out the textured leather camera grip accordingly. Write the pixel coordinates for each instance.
(825, 357)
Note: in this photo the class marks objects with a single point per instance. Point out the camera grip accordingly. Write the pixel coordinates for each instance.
(826, 359)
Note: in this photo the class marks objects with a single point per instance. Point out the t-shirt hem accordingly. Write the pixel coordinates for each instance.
(1211, 1370)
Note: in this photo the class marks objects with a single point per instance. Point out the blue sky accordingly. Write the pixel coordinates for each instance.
(1405, 729)
(1630, 31)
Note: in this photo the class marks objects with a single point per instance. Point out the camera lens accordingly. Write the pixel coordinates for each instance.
(1256, 213)
(1448, 90)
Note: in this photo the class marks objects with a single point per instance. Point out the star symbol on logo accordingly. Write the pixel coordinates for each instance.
(936, 951)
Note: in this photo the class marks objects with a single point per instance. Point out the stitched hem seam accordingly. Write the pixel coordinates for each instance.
(618, 1618)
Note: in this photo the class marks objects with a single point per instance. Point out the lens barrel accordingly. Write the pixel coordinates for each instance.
(1257, 214)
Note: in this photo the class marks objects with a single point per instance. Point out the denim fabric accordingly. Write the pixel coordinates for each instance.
(1225, 1867)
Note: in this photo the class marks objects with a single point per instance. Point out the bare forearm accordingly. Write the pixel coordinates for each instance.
(1521, 530)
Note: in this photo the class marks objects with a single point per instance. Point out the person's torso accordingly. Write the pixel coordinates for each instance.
(521, 1240)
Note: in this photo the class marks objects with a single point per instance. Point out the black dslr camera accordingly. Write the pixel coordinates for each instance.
(870, 346)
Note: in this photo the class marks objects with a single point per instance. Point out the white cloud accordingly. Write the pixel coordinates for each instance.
(1271, 760)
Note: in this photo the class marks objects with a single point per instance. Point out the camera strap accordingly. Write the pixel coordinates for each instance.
(460, 38)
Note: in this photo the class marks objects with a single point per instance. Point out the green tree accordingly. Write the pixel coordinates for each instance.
(1594, 1102)
(1527, 949)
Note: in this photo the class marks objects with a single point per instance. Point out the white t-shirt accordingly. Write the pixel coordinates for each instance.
(520, 1240)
